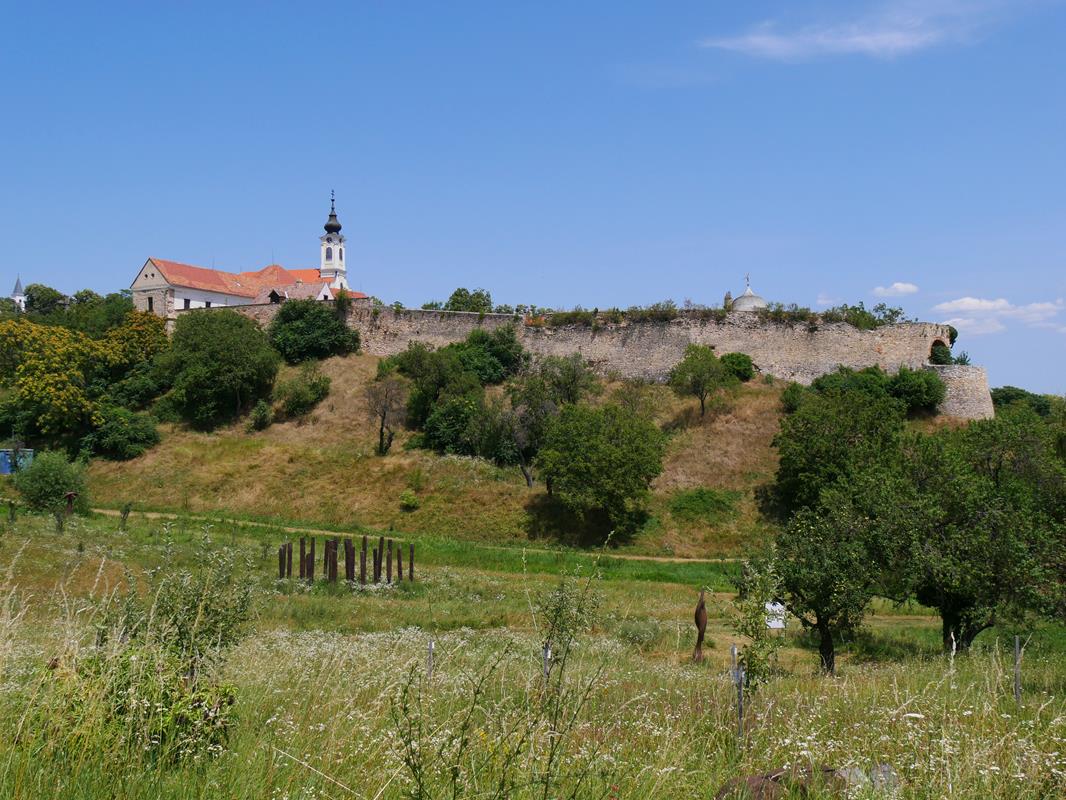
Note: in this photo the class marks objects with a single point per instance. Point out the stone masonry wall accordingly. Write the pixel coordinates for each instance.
(649, 349)
(967, 391)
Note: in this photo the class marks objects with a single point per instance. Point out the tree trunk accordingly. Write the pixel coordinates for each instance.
(950, 623)
(527, 474)
(826, 650)
(703, 404)
(964, 632)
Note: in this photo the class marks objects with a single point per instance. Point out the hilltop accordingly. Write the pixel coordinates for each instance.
(323, 470)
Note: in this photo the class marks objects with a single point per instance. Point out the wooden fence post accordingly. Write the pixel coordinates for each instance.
(411, 563)
(399, 562)
(303, 558)
(333, 566)
(288, 559)
(311, 563)
(377, 567)
(349, 560)
(388, 564)
(281, 562)
(362, 564)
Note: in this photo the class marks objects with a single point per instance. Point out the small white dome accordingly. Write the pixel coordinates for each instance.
(749, 301)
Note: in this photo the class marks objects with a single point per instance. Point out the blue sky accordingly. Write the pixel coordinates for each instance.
(594, 153)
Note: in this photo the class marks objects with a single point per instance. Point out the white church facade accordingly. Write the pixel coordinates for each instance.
(165, 287)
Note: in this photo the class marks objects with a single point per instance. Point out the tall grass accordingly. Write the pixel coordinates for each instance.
(321, 689)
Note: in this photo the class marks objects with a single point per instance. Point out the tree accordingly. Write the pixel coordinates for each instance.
(304, 330)
(43, 300)
(987, 524)
(920, 390)
(830, 438)
(599, 462)
(700, 374)
(533, 409)
(827, 577)
(221, 362)
(387, 400)
(568, 378)
(479, 301)
(740, 365)
(45, 483)
(757, 586)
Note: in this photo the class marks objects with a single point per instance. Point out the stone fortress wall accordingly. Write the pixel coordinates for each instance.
(794, 352)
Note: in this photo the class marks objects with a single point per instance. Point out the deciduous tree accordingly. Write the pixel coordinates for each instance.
(700, 374)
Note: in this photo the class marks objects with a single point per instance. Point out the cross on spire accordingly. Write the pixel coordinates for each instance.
(332, 202)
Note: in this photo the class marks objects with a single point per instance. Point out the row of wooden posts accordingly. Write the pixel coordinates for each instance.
(381, 560)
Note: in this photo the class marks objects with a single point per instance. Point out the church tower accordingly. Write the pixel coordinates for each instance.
(331, 266)
(18, 295)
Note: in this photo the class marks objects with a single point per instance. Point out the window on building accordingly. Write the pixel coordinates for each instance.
(207, 304)
(329, 254)
(188, 303)
(151, 305)
(341, 254)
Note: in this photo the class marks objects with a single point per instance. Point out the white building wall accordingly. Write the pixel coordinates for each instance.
(199, 299)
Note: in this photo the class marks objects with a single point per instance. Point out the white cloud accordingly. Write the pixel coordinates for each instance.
(976, 325)
(894, 28)
(897, 289)
(825, 299)
(981, 315)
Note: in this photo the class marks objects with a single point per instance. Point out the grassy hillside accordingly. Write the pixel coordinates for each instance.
(323, 470)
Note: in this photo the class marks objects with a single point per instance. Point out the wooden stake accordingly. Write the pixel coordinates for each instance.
(281, 562)
(362, 564)
(288, 559)
(303, 558)
(388, 564)
(399, 563)
(311, 562)
(411, 563)
(1018, 670)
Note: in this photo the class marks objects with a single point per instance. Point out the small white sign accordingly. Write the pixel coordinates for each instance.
(775, 615)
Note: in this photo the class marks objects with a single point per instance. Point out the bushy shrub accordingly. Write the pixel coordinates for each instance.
(222, 364)
(940, 355)
(147, 689)
(300, 394)
(262, 416)
(139, 702)
(871, 382)
(792, 397)
(45, 483)
(740, 365)
(123, 434)
(409, 501)
(920, 390)
(1003, 396)
(310, 329)
(447, 425)
(663, 311)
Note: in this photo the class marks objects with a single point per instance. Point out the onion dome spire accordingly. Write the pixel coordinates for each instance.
(332, 225)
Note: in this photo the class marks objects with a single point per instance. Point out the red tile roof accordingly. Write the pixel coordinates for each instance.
(241, 284)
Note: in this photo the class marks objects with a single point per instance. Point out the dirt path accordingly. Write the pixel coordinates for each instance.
(110, 512)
